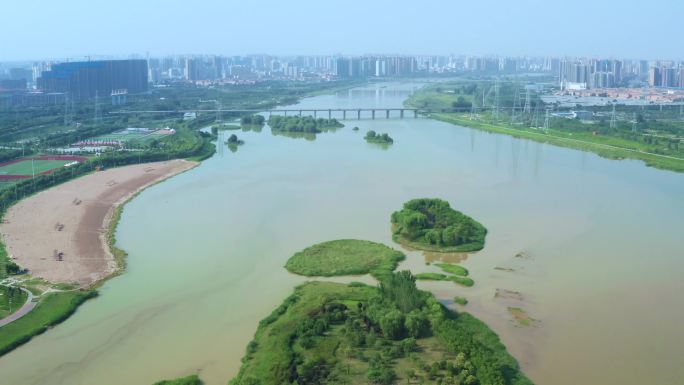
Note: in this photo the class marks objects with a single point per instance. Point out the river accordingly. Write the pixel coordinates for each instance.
(599, 245)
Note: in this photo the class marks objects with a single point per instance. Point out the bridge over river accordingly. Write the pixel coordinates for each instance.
(330, 113)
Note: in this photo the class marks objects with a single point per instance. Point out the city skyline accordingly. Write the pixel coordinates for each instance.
(585, 29)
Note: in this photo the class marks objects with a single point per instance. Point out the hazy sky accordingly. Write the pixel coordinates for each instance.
(32, 29)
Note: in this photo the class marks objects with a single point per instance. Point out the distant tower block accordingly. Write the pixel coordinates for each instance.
(119, 97)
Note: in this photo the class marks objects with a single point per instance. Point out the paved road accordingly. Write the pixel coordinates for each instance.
(28, 306)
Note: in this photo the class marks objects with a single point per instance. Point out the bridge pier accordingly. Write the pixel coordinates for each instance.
(401, 114)
(415, 113)
(373, 114)
(344, 114)
(300, 113)
(285, 112)
(387, 114)
(315, 113)
(358, 114)
(329, 114)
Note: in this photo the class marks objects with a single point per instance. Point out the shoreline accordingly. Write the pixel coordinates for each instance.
(89, 256)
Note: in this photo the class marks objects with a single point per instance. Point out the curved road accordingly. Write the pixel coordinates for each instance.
(25, 309)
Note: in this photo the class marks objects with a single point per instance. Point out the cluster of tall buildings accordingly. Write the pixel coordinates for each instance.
(84, 80)
(580, 74)
(356, 67)
(666, 75)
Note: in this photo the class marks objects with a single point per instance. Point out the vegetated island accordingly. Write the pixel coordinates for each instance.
(233, 142)
(455, 273)
(252, 120)
(302, 124)
(345, 257)
(373, 137)
(252, 123)
(431, 224)
(331, 333)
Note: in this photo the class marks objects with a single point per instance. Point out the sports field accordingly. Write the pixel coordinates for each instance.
(27, 167)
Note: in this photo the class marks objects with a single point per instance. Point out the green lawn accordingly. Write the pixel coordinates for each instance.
(26, 168)
(51, 310)
(344, 257)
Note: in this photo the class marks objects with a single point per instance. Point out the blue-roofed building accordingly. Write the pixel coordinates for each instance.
(85, 80)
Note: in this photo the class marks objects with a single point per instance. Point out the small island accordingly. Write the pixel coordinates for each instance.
(432, 225)
(302, 124)
(345, 257)
(233, 142)
(252, 120)
(373, 137)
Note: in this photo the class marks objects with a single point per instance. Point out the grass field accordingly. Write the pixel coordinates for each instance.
(344, 257)
(28, 167)
(51, 310)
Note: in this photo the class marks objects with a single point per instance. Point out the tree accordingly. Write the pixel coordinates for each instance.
(416, 324)
(392, 325)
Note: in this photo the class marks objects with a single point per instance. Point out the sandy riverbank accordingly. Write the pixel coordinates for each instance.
(60, 234)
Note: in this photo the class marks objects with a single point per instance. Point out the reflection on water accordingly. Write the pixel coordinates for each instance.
(601, 268)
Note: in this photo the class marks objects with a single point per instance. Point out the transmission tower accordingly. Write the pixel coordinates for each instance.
(535, 117)
(496, 99)
(528, 106)
(613, 121)
(516, 103)
(546, 121)
(634, 123)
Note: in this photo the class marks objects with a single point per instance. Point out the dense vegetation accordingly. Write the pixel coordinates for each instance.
(51, 310)
(252, 120)
(431, 224)
(344, 257)
(303, 124)
(373, 137)
(329, 333)
(189, 380)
